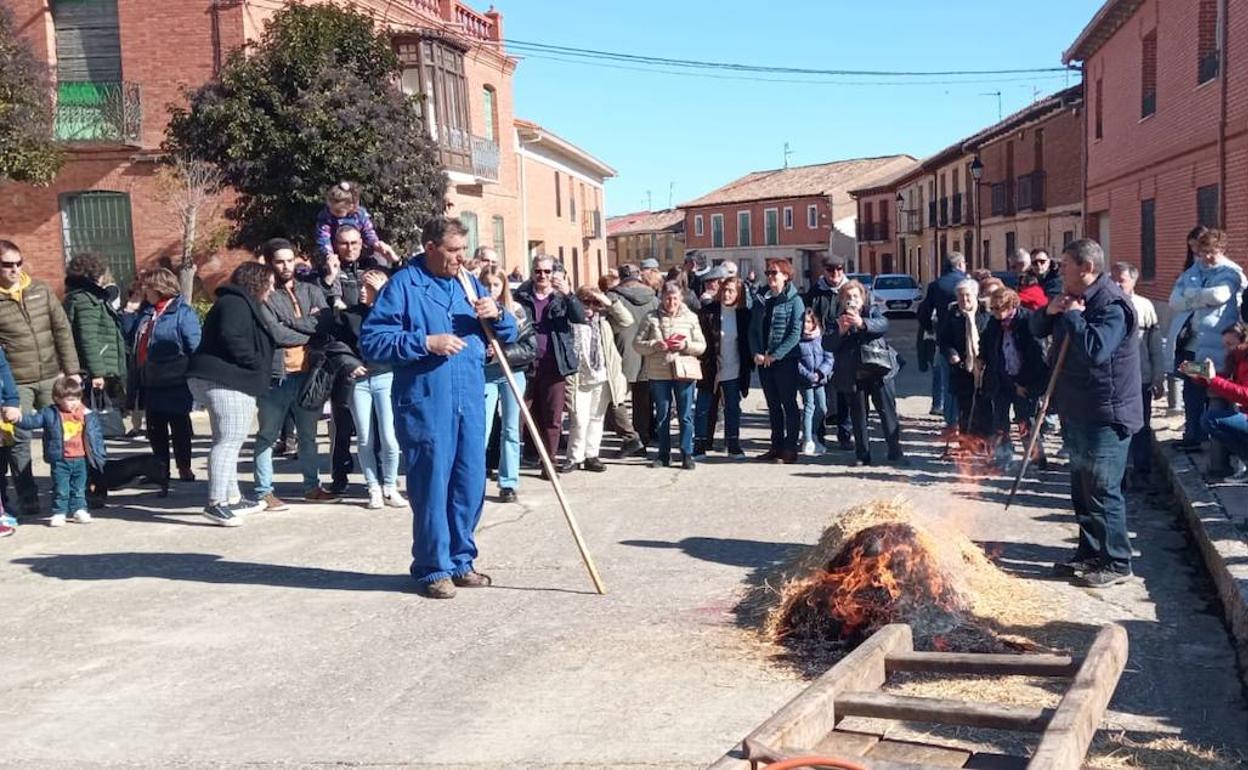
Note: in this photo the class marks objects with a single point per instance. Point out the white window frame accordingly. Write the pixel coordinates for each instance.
(748, 229)
(722, 232)
(788, 217)
(812, 216)
(698, 226)
(777, 214)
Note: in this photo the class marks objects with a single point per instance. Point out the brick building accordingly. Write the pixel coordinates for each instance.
(800, 214)
(119, 63)
(647, 234)
(1166, 129)
(561, 186)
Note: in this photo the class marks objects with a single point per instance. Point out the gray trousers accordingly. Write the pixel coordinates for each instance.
(230, 412)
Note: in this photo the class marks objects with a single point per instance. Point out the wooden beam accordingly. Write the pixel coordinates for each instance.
(943, 711)
(984, 664)
(1065, 744)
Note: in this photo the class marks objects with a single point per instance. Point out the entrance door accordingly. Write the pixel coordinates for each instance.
(99, 221)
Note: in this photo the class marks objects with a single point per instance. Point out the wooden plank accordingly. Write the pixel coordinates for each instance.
(943, 711)
(984, 664)
(919, 753)
(1065, 742)
(991, 761)
(805, 720)
(846, 743)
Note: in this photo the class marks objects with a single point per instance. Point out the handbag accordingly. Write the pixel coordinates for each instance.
(165, 374)
(319, 383)
(107, 413)
(875, 359)
(687, 368)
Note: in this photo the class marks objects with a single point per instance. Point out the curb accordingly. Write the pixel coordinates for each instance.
(1221, 537)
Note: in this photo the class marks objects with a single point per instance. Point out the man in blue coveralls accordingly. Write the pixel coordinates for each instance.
(425, 326)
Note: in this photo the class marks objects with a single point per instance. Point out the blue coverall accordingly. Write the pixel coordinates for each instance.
(439, 410)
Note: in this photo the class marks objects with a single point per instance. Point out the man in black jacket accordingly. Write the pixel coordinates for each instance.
(640, 301)
(1047, 272)
(551, 304)
(825, 299)
(941, 294)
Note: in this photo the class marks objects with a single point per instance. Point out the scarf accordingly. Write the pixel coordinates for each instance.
(145, 331)
(972, 343)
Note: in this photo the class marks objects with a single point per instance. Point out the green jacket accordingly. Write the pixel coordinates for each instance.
(35, 333)
(97, 329)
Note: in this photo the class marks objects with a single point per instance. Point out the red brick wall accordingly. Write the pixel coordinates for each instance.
(1171, 153)
(799, 235)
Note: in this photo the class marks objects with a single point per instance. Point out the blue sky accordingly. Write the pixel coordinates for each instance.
(693, 134)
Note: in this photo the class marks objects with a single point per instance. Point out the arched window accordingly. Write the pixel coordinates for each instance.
(490, 101)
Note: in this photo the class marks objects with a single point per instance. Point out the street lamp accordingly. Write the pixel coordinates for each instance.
(977, 173)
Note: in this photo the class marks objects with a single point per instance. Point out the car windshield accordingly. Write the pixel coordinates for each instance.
(894, 282)
(864, 278)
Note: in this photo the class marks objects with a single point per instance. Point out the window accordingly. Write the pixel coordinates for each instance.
(491, 113)
(771, 227)
(1068, 236)
(1207, 206)
(99, 221)
(1148, 239)
(500, 239)
(1207, 54)
(1010, 245)
(1148, 75)
(561, 258)
(1100, 100)
(788, 217)
(92, 103)
(558, 195)
(812, 217)
(469, 218)
(571, 199)
(435, 71)
(717, 231)
(654, 246)
(743, 228)
(868, 212)
(667, 248)
(698, 228)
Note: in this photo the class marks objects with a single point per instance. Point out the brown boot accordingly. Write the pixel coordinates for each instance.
(439, 589)
(473, 579)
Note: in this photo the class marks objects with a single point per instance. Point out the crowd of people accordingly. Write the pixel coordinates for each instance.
(410, 361)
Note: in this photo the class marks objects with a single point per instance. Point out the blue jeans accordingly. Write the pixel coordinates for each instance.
(1229, 426)
(69, 485)
(780, 382)
(1194, 401)
(942, 395)
(1098, 460)
(814, 411)
(662, 393)
(371, 397)
(497, 392)
(282, 400)
(1141, 452)
(704, 411)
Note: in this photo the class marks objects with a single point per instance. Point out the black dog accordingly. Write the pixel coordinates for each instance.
(119, 473)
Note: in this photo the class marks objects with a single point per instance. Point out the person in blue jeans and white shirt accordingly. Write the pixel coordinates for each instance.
(521, 355)
(815, 368)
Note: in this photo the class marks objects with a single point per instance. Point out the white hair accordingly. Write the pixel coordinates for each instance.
(729, 267)
(970, 284)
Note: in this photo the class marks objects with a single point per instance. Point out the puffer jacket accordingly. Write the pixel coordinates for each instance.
(175, 333)
(1205, 299)
(48, 419)
(659, 327)
(615, 317)
(816, 364)
(35, 333)
(97, 328)
(776, 324)
(640, 301)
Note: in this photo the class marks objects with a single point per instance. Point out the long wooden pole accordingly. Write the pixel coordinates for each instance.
(547, 464)
(1037, 421)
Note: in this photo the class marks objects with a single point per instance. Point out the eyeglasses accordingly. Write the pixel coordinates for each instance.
(1040, 261)
(832, 268)
(770, 273)
(543, 272)
(11, 265)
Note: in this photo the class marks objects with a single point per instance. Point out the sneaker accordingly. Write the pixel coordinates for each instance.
(319, 494)
(221, 515)
(246, 506)
(392, 498)
(273, 503)
(1074, 568)
(57, 520)
(1104, 578)
(506, 495)
(438, 589)
(7, 531)
(375, 502)
(808, 448)
(473, 579)
(8, 520)
(81, 517)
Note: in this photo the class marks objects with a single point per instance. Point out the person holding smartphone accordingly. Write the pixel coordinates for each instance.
(671, 342)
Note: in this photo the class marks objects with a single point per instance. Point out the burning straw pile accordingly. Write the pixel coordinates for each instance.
(877, 564)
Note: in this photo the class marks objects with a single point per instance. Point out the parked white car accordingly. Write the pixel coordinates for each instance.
(896, 293)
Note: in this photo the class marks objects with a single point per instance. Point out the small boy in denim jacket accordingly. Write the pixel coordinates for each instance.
(73, 442)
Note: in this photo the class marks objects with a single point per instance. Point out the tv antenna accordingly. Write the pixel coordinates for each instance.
(998, 95)
(671, 188)
(787, 153)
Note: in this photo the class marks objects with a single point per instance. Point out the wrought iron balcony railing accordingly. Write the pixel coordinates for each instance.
(100, 113)
(955, 216)
(485, 159)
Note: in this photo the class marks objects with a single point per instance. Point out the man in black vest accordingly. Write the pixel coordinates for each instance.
(1098, 396)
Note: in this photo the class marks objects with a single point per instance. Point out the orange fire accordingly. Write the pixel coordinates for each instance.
(884, 574)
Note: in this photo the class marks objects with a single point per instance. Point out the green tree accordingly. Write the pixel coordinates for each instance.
(27, 152)
(314, 102)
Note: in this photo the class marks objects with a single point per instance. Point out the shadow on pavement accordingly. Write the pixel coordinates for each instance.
(736, 553)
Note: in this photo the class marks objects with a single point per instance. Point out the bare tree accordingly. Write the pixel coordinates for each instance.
(188, 190)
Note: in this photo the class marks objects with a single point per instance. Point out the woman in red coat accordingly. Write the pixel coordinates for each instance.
(1226, 419)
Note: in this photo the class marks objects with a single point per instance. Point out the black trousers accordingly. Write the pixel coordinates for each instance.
(643, 411)
(839, 415)
(341, 463)
(160, 425)
(881, 393)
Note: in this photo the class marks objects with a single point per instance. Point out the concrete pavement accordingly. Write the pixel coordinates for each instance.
(153, 639)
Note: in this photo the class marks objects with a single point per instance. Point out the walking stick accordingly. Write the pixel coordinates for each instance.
(547, 464)
(1038, 422)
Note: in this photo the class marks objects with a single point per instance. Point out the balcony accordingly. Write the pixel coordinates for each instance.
(874, 231)
(955, 216)
(591, 224)
(469, 154)
(98, 113)
(483, 26)
(485, 159)
(1003, 199)
(910, 221)
(1031, 191)
(944, 212)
